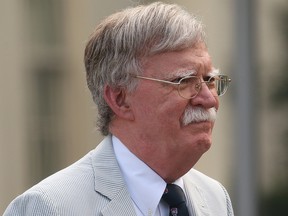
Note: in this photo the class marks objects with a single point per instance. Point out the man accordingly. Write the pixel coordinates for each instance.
(151, 76)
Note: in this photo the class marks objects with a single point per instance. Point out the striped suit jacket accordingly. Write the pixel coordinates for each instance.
(94, 186)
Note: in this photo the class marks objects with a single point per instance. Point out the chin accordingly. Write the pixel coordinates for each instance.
(206, 139)
(204, 143)
(198, 144)
(206, 146)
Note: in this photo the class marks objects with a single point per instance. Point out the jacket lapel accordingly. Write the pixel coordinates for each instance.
(197, 204)
(109, 181)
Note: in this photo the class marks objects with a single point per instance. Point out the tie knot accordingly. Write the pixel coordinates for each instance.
(174, 195)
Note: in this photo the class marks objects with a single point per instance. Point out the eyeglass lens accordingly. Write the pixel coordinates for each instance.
(190, 86)
(221, 84)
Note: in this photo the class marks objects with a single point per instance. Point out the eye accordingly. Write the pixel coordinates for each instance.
(210, 81)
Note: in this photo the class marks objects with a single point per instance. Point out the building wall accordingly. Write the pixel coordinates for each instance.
(13, 101)
(47, 116)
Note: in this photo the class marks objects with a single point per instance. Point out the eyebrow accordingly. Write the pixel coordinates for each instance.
(181, 73)
(191, 72)
(213, 72)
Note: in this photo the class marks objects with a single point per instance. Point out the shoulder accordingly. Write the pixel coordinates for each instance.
(201, 180)
(208, 186)
(212, 191)
(73, 178)
(67, 189)
(31, 203)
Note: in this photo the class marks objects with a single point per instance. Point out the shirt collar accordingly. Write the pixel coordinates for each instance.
(145, 186)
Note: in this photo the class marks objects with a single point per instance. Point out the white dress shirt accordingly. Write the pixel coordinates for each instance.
(145, 186)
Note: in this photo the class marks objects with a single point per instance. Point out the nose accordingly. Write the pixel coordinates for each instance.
(205, 98)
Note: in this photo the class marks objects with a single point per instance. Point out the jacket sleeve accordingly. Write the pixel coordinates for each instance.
(228, 202)
(31, 203)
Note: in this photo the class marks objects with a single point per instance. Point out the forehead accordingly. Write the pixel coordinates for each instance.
(168, 64)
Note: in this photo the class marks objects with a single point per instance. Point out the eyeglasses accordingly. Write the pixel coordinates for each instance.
(189, 86)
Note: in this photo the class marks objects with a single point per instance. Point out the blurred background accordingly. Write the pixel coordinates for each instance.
(47, 118)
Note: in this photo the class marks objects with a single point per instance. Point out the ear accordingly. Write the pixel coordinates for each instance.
(117, 101)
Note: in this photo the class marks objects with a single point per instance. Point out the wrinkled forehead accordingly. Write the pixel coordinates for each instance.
(194, 60)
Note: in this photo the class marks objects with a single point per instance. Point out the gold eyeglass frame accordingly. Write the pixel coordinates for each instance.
(198, 85)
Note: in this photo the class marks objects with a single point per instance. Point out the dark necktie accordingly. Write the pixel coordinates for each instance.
(175, 198)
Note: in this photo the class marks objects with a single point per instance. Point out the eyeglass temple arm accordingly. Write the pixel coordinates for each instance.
(157, 80)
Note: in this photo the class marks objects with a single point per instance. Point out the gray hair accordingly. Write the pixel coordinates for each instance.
(116, 47)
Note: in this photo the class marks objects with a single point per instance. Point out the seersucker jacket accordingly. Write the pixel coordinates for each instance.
(94, 186)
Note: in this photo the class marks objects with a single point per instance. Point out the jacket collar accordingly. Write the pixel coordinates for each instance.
(109, 181)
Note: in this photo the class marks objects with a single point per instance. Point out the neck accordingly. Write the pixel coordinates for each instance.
(169, 166)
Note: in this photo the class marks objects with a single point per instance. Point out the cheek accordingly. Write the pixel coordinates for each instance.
(159, 105)
(172, 110)
(161, 117)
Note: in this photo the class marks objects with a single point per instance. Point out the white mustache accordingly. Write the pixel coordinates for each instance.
(198, 114)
